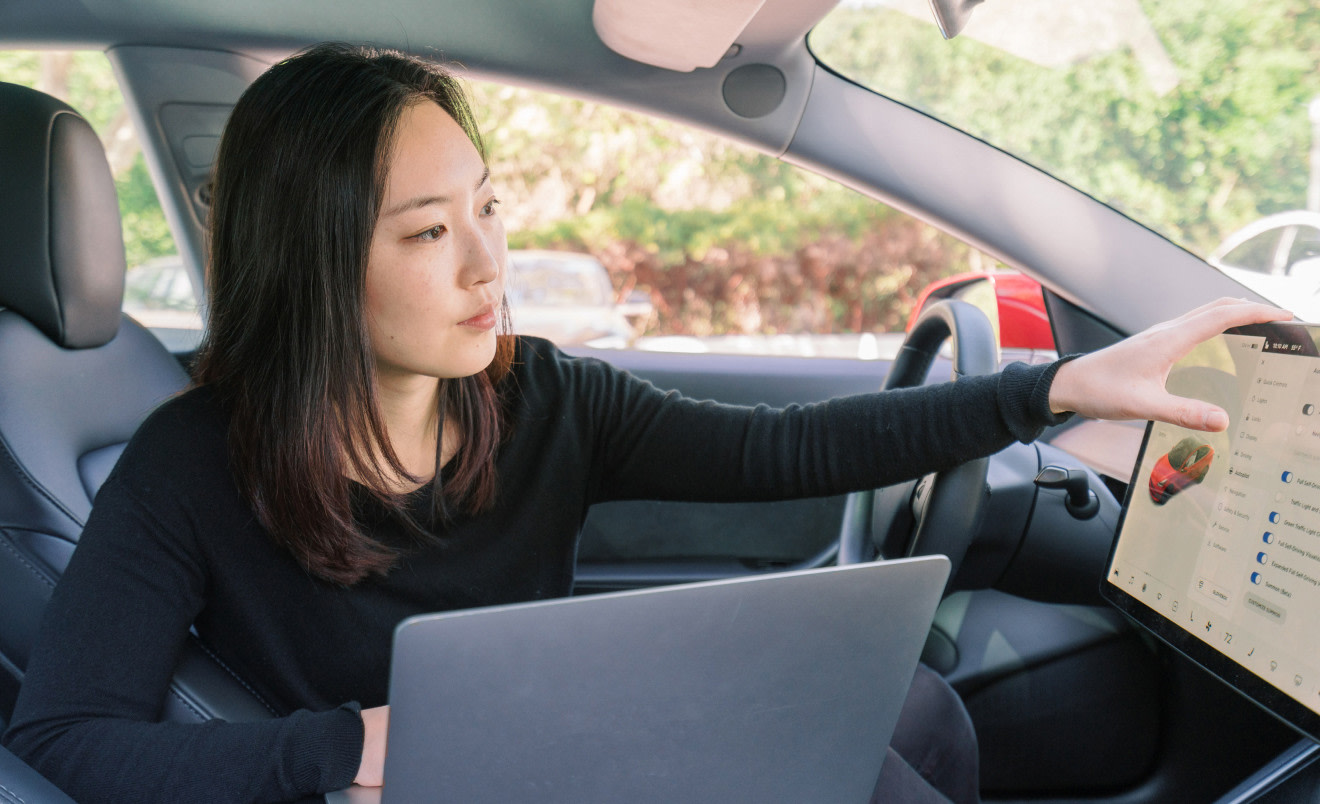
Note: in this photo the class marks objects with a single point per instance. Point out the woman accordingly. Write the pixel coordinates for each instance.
(363, 445)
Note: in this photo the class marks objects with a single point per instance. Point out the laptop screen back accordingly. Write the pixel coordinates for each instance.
(781, 688)
(1218, 550)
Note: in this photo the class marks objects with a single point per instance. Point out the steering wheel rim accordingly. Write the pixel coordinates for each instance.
(945, 508)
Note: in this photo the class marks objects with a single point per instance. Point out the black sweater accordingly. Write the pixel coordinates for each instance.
(172, 544)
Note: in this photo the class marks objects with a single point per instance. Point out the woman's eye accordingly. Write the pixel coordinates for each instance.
(431, 234)
(489, 209)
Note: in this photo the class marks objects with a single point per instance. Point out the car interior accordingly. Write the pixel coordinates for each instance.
(1071, 702)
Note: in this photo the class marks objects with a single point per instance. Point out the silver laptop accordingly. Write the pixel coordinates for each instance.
(777, 688)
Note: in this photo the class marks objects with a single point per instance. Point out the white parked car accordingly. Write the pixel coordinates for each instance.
(1277, 256)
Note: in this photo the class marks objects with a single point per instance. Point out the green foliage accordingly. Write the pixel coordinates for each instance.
(1226, 145)
(82, 79)
(836, 262)
(20, 67)
(146, 232)
(757, 225)
(557, 157)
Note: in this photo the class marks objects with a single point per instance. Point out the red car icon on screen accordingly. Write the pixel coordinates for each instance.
(1179, 468)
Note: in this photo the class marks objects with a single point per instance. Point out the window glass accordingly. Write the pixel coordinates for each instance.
(1306, 246)
(1256, 254)
(158, 291)
(695, 243)
(625, 231)
(1195, 117)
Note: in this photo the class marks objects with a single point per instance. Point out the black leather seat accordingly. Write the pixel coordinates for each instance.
(77, 377)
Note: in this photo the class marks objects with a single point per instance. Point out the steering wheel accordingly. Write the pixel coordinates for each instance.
(940, 512)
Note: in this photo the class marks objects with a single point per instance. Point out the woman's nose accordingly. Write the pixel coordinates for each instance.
(482, 263)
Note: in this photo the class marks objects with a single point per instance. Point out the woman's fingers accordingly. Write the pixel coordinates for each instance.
(1206, 321)
(1193, 414)
(1214, 318)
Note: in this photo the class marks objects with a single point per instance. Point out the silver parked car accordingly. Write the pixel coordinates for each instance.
(567, 297)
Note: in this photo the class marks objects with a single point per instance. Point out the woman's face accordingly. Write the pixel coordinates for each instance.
(435, 274)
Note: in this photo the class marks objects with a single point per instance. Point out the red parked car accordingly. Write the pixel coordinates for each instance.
(1012, 301)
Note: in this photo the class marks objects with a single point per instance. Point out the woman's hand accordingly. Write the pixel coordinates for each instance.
(1126, 380)
(375, 726)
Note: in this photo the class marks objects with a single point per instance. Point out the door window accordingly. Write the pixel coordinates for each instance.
(701, 245)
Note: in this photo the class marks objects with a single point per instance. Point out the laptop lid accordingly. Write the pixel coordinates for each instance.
(776, 688)
(1218, 548)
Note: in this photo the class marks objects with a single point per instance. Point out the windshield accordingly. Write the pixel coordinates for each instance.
(1197, 118)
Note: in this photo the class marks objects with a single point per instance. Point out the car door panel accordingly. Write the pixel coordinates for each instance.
(641, 543)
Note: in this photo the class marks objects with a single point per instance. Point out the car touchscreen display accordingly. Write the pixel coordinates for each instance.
(1218, 549)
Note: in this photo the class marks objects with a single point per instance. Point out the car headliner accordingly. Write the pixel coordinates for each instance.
(1087, 253)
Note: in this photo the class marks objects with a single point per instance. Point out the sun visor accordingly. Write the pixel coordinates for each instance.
(679, 35)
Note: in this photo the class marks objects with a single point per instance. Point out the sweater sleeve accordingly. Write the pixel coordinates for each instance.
(649, 444)
(101, 669)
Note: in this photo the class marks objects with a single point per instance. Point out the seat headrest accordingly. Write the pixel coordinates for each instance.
(61, 245)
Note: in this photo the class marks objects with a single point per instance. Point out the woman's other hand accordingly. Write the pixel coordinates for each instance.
(375, 726)
(1126, 380)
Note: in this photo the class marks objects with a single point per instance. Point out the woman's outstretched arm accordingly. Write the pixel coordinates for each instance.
(650, 444)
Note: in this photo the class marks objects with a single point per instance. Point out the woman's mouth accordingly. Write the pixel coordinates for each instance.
(482, 320)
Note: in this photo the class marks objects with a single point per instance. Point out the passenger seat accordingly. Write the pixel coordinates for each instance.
(77, 377)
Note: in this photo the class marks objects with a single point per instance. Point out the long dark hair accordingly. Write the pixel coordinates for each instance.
(299, 183)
